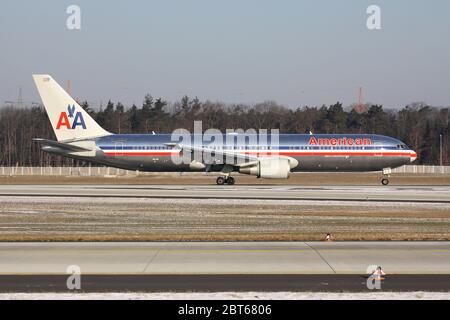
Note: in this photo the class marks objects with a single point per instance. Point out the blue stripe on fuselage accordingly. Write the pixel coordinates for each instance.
(286, 141)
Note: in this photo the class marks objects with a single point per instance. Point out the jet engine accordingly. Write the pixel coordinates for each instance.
(270, 168)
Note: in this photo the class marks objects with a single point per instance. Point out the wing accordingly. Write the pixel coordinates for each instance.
(229, 157)
(267, 166)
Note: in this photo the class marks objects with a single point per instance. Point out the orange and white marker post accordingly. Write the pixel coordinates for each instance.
(378, 273)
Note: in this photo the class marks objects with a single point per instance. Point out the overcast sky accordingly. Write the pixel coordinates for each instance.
(294, 52)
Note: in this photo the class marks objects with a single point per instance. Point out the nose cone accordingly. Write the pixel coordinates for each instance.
(412, 156)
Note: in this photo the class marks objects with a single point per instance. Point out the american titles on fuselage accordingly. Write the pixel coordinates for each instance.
(340, 141)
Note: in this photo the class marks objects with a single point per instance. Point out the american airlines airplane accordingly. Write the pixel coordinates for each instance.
(80, 137)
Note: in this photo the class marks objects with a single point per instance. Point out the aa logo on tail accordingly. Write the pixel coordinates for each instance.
(65, 116)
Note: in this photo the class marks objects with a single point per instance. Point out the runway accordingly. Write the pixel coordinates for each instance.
(223, 283)
(437, 194)
(193, 258)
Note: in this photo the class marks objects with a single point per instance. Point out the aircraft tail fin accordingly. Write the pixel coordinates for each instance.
(69, 120)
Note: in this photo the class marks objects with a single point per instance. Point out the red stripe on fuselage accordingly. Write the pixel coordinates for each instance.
(159, 154)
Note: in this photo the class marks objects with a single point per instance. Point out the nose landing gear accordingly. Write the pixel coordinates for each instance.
(225, 180)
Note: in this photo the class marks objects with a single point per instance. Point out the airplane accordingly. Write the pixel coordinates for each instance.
(80, 137)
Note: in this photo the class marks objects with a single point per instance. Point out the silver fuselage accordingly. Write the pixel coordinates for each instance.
(318, 152)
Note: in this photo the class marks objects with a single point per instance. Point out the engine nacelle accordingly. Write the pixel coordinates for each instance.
(270, 168)
(196, 165)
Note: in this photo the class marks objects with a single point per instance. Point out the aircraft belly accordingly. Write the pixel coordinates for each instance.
(348, 164)
(146, 163)
(306, 163)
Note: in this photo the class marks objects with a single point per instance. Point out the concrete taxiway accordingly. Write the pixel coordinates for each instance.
(438, 194)
(226, 258)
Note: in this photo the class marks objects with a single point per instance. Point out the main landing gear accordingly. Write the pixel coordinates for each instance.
(225, 180)
(386, 175)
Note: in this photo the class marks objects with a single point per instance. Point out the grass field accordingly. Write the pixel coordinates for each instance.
(147, 219)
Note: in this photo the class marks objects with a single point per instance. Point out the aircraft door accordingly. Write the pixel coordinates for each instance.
(118, 148)
(378, 150)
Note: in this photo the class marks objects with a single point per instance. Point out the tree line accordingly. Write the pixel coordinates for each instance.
(418, 125)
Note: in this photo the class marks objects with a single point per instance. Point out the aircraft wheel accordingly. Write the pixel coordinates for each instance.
(384, 181)
(230, 181)
(220, 181)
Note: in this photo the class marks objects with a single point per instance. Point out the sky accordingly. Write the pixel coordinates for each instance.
(294, 52)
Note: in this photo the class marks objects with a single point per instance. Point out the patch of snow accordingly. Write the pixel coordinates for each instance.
(419, 295)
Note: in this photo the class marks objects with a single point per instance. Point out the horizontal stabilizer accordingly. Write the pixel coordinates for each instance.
(64, 146)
